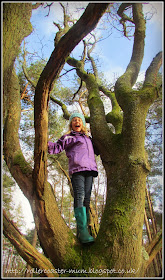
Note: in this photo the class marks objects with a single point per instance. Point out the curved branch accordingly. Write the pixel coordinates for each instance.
(124, 17)
(19, 168)
(91, 58)
(51, 71)
(64, 30)
(35, 6)
(128, 79)
(121, 10)
(152, 71)
(66, 114)
(26, 250)
(24, 68)
(84, 51)
(115, 117)
(80, 103)
(77, 90)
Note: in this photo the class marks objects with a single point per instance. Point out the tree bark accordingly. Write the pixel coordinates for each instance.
(26, 250)
(13, 35)
(28, 273)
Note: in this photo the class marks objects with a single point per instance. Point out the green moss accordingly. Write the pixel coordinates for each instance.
(20, 160)
(145, 254)
(73, 257)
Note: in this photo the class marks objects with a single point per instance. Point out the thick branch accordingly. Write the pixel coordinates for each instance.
(67, 43)
(115, 117)
(26, 250)
(152, 71)
(66, 114)
(124, 17)
(121, 10)
(19, 168)
(128, 79)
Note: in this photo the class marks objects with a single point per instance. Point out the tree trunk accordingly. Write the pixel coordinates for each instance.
(124, 158)
(16, 26)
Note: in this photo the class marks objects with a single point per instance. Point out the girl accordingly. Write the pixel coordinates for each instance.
(82, 168)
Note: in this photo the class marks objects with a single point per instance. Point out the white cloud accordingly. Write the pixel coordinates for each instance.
(141, 77)
(56, 15)
(113, 73)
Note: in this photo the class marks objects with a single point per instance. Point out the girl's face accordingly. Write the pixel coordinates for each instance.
(77, 124)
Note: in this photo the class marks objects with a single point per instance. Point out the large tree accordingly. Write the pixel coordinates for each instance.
(118, 246)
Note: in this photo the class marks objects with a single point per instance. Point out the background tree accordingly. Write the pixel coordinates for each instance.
(122, 151)
(12, 262)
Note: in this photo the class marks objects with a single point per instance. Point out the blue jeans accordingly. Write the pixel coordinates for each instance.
(82, 187)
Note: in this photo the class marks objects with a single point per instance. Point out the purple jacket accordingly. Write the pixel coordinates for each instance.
(79, 149)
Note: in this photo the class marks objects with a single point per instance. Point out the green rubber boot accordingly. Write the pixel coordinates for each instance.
(81, 219)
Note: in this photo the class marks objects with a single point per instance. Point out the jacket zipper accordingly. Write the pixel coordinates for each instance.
(86, 144)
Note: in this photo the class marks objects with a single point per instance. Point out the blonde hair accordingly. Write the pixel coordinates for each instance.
(83, 130)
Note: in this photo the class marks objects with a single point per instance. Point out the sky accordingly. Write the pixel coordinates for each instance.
(114, 53)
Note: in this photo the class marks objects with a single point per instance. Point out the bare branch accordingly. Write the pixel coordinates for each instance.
(77, 90)
(67, 176)
(35, 6)
(84, 51)
(66, 27)
(24, 68)
(24, 96)
(91, 58)
(129, 78)
(67, 71)
(80, 103)
(48, 5)
(123, 16)
(66, 114)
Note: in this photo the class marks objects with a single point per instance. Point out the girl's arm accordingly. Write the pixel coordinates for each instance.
(57, 147)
